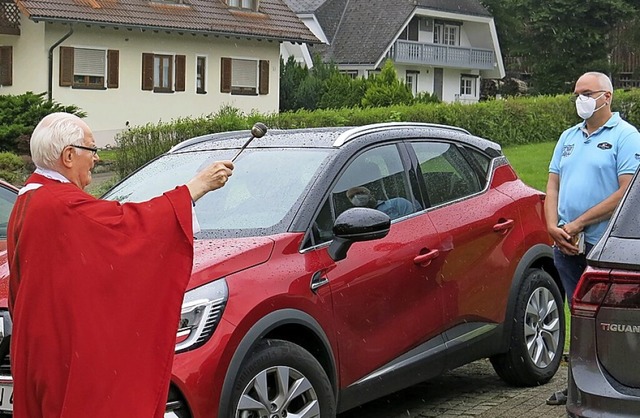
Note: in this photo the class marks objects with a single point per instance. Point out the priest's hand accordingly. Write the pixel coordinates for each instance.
(211, 178)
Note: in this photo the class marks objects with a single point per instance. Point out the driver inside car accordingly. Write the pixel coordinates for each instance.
(395, 207)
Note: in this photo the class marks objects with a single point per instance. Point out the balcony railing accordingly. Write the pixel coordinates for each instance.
(411, 52)
(9, 18)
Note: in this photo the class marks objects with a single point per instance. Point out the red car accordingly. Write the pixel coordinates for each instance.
(342, 264)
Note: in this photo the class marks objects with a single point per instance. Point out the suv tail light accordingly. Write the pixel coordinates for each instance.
(611, 288)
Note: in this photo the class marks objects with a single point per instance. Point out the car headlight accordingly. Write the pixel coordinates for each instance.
(201, 312)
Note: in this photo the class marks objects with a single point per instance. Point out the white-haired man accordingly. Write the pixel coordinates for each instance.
(95, 287)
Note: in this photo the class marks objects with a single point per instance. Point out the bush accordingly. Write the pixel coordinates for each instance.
(19, 115)
(386, 89)
(12, 168)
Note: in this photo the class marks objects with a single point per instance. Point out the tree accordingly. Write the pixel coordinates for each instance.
(559, 39)
(386, 89)
(291, 76)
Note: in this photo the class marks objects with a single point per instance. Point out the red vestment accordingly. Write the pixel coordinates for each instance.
(95, 294)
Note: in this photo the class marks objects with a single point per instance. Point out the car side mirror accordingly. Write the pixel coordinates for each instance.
(354, 225)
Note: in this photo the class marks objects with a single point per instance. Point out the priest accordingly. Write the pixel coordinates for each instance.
(95, 286)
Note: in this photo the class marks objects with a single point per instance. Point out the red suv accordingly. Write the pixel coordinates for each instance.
(342, 264)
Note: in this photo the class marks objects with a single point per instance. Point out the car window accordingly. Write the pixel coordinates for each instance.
(7, 200)
(265, 186)
(375, 179)
(447, 174)
(627, 222)
(480, 159)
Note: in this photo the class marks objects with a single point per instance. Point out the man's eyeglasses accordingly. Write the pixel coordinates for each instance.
(574, 97)
(93, 150)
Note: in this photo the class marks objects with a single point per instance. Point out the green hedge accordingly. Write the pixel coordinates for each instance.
(508, 122)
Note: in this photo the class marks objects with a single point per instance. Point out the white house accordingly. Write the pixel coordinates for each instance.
(144, 61)
(438, 46)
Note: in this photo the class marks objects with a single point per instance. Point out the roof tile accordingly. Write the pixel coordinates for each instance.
(274, 20)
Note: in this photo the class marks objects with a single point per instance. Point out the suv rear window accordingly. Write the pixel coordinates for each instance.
(627, 223)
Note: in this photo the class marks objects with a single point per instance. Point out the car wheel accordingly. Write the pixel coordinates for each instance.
(280, 379)
(537, 338)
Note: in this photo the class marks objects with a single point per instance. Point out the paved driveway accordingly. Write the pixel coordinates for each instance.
(470, 391)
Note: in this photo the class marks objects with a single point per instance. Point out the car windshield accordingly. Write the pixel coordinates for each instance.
(265, 186)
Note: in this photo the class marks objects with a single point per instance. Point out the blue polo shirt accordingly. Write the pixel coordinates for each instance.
(396, 207)
(589, 166)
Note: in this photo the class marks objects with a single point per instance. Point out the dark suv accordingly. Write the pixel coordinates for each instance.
(604, 376)
(342, 264)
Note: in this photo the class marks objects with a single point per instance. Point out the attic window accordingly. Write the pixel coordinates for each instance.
(243, 4)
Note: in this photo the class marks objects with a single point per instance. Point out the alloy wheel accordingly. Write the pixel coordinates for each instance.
(542, 327)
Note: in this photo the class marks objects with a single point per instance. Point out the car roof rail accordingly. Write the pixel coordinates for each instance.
(219, 136)
(377, 127)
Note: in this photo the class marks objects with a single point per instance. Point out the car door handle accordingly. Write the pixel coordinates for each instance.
(423, 260)
(503, 225)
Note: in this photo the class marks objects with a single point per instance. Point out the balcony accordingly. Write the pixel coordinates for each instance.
(9, 18)
(411, 52)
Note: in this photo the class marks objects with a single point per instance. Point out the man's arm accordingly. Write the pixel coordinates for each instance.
(559, 235)
(211, 178)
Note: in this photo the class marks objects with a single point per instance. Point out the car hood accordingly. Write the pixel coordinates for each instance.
(220, 257)
(212, 259)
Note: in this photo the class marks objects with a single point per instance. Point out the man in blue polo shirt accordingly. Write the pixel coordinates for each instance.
(592, 165)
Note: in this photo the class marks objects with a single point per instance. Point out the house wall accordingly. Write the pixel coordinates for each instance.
(29, 59)
(109, 110)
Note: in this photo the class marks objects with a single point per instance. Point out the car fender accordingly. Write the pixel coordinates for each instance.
(256, 333)
(540, 255)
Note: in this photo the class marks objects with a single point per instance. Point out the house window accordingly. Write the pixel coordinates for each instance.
(468, 86)
(201, 68)
(411, 79)
(446, 34)
(244, 76)
(6, 65)
(89, 68)
(163, 73)
(353, 74)
(243, 4)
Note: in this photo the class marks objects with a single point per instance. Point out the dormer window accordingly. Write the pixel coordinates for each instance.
(244, 4)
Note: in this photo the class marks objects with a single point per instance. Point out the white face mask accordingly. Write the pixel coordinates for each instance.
(586, 106)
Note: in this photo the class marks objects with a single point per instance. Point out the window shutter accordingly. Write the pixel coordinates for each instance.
(88, 62)
(225, 75)
(113, 68)
(147, 71)
(180, 72)
(6, 65)
(66, 66)
(263, 88)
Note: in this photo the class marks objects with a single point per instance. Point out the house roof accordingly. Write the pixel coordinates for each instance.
(274, 20)
(359, 32)
(304, 6)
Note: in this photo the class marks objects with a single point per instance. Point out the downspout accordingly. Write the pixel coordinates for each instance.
(50, 88)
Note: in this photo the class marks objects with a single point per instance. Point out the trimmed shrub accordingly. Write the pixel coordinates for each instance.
(512, 121)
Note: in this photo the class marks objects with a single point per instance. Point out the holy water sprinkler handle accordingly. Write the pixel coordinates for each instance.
(257, 131)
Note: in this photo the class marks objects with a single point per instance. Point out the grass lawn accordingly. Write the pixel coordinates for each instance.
(531, 162)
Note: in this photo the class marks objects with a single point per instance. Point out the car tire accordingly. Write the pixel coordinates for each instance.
(536, 343)
(264, 386)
